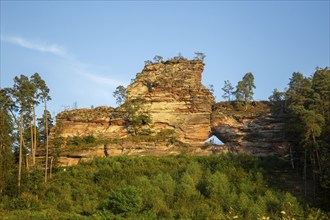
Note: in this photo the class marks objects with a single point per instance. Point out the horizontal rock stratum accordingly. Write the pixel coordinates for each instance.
(169, 96)
(170, 92)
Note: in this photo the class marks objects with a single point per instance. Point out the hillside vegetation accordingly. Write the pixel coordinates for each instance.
(216, 187)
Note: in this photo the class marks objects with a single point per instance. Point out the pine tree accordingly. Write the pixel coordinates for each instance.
(6, 141)
(308, 105)
(120, 94)
(277, 100)
(244, 89)
(22, 92)
(228, 90)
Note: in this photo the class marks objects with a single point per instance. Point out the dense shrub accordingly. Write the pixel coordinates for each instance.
(124, 201)
(215, 187)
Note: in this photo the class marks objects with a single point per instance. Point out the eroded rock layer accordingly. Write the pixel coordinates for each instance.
(100, 122)
(256, 130)
(172, 94)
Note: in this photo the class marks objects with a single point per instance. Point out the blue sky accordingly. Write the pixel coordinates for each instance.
(84, 49)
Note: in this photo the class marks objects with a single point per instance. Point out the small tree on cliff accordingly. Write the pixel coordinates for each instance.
(179, 57)
(120, 94)
(277, 100)
(199, 56)
(211, 88)
(244, 88)
(138, 120)
(228, 90)
(158, 59)
(147, 62)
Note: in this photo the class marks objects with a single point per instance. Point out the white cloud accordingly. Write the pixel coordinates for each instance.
(39, 46)
(96, 78)
(102, 80)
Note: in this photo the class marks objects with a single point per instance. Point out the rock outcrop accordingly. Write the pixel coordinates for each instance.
(173, 95)
(101, 122)
(180, 110)
(170, 92)
(255, 130)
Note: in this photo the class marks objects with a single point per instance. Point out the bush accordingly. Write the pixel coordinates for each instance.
(25, 201)
(89, 139)
(214, 187)
(125, 201)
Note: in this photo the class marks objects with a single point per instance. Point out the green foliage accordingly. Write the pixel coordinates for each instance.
(124, 201)
(25, 201)
(165, 135)
(228, 90)
(277, 100)
(6, 142)
(158, 59)
(137, 118)
(244, 88)
(199, 56)
(216, 187)
(211, 89)
(147, 62)
(308, 103)
(41, 125)
(77, 140)
(120, 94)
(178, 57)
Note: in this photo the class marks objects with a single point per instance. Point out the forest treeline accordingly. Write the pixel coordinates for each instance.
(22, 132)
(307, 105)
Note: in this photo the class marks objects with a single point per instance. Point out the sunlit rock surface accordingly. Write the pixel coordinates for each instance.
(172, 94)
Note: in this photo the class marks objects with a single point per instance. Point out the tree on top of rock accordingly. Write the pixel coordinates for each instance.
(120, 94)
(228, 90)
(244, 89)
(158, 59)
(199, 56)
(179, 57)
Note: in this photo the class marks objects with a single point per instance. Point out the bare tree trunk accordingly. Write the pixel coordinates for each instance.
(34, 135)
(291, 155)
(46, 131)
(51, 167)
(27, 167)
(305, 173)
(318, 161)
(20, 155)
(314, 162)
(32, 143)
(312, 158)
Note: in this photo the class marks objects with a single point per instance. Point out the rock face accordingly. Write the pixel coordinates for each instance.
(170, 92)
(173, 95)
(255, 130)
(101, 122)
